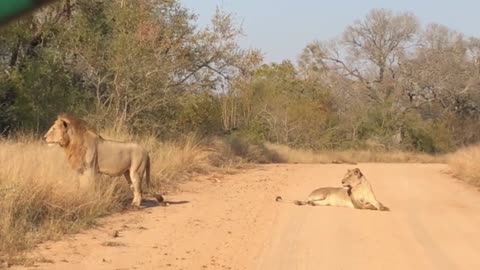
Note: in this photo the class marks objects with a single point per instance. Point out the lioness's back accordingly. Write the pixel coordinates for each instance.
(330, 196)
(329, 192)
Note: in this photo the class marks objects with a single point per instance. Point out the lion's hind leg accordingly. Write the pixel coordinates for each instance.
(130, 183)
(136, 185)
(317, 200)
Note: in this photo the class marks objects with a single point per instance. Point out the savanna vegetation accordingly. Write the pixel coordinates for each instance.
(386, 89)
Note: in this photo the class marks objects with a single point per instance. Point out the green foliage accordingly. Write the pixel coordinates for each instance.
(44, 88)
(285, 109)
(255, 132)
(249, 150)
(200, 113)
(426, 136)
(137, 65)
(145, 66)
(378, 122)
(8, 95)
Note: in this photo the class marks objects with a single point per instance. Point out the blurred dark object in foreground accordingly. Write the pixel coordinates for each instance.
(11, 9)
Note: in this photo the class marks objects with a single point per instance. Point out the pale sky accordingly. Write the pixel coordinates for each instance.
(282, 28)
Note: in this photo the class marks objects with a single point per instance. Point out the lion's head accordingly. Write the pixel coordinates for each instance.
(71, 133)
(57, 134)
(63, 129)
(352, 178)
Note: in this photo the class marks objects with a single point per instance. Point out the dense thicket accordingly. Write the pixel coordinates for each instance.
(146, 66)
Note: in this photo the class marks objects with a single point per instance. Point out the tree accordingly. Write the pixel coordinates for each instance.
(380, 39)
(277, 105)
(128, 64)
(441, 80)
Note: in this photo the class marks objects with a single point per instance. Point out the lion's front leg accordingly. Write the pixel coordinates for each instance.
(86, 179)
(90, 163)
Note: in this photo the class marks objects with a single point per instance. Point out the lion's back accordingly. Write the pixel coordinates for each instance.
(116, 157)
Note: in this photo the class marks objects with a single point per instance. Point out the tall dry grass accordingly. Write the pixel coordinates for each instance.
(465, 164)
(285, 154)
(39, 199)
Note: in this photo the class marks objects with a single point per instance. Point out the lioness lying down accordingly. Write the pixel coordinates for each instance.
(88, 154)
(355, 193)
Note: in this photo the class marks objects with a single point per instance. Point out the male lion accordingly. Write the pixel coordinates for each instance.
(356, 193)
(88, 154)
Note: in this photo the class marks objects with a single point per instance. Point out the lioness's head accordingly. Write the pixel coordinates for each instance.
(352, 178)
(58, 133)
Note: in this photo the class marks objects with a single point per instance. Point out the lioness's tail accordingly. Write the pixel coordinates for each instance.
(296, 202)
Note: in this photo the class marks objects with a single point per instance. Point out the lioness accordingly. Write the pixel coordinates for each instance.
(326, 196)
(88, 153)
(361, 192)
(356, 193)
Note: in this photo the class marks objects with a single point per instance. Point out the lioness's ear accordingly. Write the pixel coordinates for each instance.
(357, 172)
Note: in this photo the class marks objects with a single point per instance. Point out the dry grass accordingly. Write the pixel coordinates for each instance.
(286, 154)
(237, 150)
(38, 191)
(39, 199)
(465, 164)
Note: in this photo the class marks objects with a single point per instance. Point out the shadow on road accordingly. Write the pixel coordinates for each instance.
(147, 203)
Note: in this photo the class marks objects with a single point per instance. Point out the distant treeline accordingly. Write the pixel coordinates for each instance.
(146, 66)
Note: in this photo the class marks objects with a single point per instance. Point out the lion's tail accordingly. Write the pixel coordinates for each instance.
(147, 172)
(159, 197)
(296, 202)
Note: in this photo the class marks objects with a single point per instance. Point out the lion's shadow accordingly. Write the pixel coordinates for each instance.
(148, 203)
(151, 203)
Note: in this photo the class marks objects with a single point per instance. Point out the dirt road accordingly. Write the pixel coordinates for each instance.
(434, 223)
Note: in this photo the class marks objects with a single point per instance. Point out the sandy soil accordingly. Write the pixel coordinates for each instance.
(235, 223)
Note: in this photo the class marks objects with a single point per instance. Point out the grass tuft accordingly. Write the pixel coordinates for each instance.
(465, 164)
